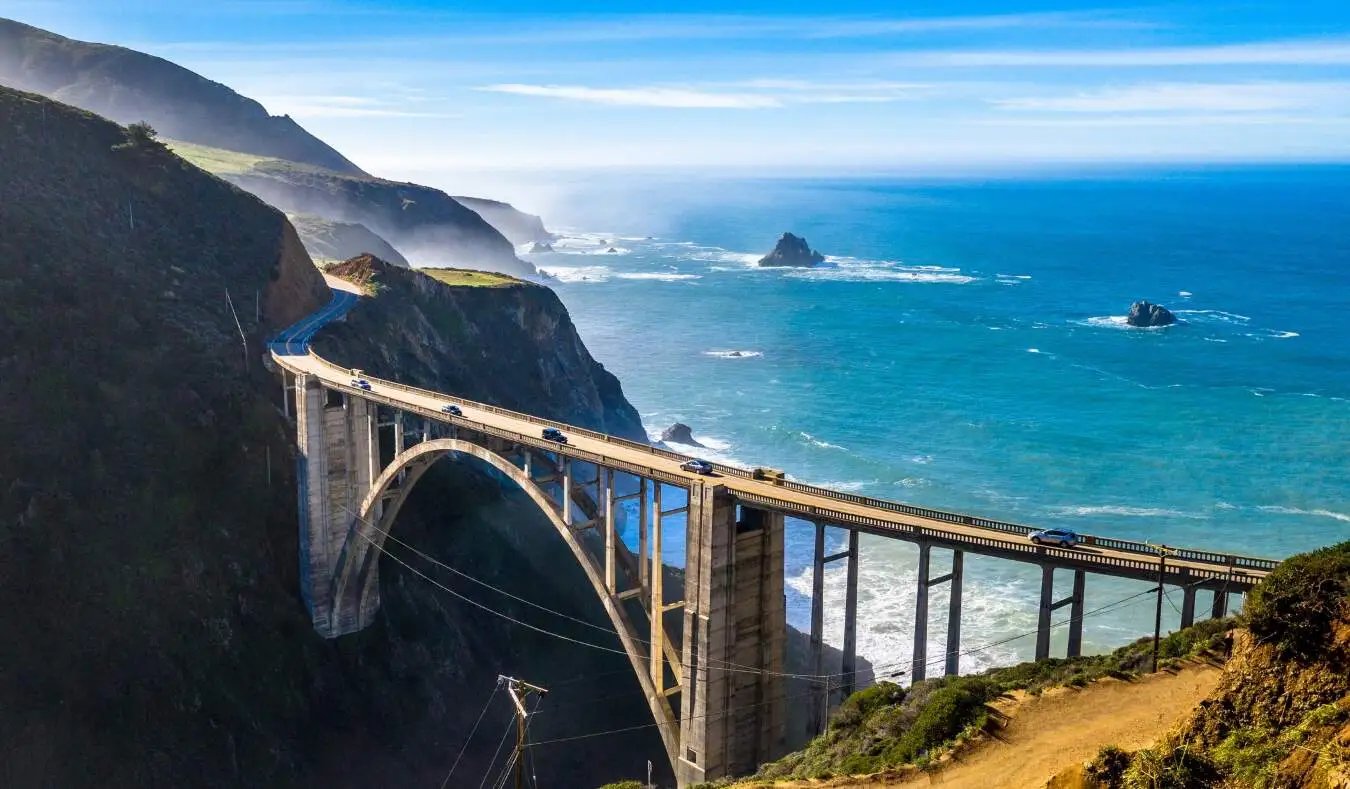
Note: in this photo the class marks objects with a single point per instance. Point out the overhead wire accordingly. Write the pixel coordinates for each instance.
(472, 731)
(500, 743)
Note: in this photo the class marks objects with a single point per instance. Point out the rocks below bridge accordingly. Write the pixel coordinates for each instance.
(1146, 314)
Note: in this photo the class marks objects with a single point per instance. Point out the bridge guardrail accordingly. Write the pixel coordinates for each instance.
(1227, 560)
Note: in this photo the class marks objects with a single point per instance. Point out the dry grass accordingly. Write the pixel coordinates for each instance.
(459, 277)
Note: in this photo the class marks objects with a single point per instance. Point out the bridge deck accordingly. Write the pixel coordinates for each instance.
(891, 519)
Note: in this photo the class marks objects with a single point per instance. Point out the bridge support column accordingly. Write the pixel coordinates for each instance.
(954, 616)
(1220, 607)
(735, 613)
(1076, 614)
(642, 534)
(1187, 599)
(848, 666)
(658, 600)
(918, 668)
(566, 489)
(820, 698)
(1046, 607)
(338, 460)
(398, 433)
(607, 484)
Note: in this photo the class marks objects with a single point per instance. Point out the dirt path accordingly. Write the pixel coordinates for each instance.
(1065, 726)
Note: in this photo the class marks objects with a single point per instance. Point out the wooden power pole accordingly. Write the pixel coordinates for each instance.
(519, 691)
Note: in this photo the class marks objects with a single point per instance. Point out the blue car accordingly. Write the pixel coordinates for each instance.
(1061, 537)
(452, 410)
(361, 383)
(697, 466)
(554, 434)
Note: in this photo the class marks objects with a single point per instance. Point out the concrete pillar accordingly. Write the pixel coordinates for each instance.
(426, 429)
(528, 464)
(735, 615)
(398, 433)
(819, 699)
(610, 537)
(918, 668)
(1043, 625)
(1187, 605)
(848, 668)
(954, 616)
(642, 533)
(1076, 614)
(1220, 607)
(287, 393)
(566, 490)
(658, 601)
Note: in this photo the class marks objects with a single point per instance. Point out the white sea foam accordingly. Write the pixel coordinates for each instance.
(1130, 512)
(1215, 316)
(1033, 350)
(658, 276)
(815, 442)
(1115, 322)
(887, 576)
(1185, 294)
(734, 354)
(577, 273)
(922, 460)
(913, 482)
(851, 270)
(1318, 513)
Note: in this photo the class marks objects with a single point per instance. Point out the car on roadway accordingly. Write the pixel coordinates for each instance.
(554, 434)
(452, 410)
(361, 383)
(1064, 538)
(697, 466)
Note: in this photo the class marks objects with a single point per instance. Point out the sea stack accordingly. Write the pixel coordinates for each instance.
(680, 433)
(1145, 313)
(792, 251)
(539, 248)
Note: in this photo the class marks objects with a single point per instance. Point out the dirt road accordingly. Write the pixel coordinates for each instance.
(1065, 726)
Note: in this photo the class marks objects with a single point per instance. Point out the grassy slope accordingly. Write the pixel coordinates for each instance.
(466, 278)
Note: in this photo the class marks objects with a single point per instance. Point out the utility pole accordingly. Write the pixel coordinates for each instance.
(1157, 616)
(519, 691)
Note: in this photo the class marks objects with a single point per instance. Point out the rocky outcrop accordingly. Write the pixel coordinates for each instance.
(129, 86)
(426, 225)
(333, 241)
(518, 226)
(792, 251)
(540, 247)
(680, 433)
(1145, 313)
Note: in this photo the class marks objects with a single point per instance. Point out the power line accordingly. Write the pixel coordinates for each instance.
(472, 731)
(500, 743)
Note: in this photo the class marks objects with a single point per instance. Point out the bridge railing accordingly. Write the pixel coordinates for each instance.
(1227, 560)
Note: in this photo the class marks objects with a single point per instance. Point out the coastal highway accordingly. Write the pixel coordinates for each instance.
(1100, 554)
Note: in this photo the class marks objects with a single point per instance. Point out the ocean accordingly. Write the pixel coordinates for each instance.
(965, 349)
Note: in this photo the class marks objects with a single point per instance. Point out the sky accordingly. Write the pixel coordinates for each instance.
(410, 86)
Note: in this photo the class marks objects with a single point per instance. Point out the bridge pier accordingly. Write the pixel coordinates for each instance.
(1220, 607)
(823, 696)
(918, 669)
(732, 720)
(1049, 605)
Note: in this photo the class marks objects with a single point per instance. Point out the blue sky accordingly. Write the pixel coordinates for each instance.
(407, 86)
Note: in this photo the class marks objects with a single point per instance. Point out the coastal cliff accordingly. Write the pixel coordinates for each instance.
(129, 86)
(518, 226)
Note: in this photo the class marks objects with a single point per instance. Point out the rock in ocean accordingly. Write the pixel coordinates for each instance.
(680, 433)
(1145, 313)
(792, 251)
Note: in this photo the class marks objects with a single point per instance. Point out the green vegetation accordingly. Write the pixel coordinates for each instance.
(625, 785)
(1253, 755)
(216, 161)
(466, 278)
(142, 137)
(885, 727)
(1296, 605)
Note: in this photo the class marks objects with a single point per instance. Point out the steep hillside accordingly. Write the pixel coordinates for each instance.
(1280, 716)
(518, 226)
(426, 225)
(325, 239)
(130, 86)
(155, 634)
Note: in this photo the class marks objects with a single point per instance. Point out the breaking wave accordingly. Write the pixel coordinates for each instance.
(734, 354)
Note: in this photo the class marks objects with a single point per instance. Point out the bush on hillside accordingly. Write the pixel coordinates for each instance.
(1108, 767)
(141, 137)
(1295, 606)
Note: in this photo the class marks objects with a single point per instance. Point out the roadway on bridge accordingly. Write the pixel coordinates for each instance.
(292, 343)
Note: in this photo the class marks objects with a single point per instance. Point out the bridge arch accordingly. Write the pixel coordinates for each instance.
(355, 584)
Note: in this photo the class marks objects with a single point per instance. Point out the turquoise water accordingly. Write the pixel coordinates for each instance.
(966, 351)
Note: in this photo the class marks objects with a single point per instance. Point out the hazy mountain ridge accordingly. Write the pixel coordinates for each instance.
(129, 86)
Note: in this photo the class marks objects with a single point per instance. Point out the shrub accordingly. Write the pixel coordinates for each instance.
(1295, 606)
(865, 702)
(1180, 769)
(625, 785)
(140, 136)
(950, 709)
(1108, 767)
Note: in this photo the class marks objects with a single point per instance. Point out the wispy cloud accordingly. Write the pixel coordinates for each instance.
(1302, 52)
(641, 97)
(754, 94)
(1193, 98)
(306, 106)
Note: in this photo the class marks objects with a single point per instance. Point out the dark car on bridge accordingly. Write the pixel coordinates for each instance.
(1061, 537)
(554, 434)
(361, 383)
(452, 410)
(696, 466)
